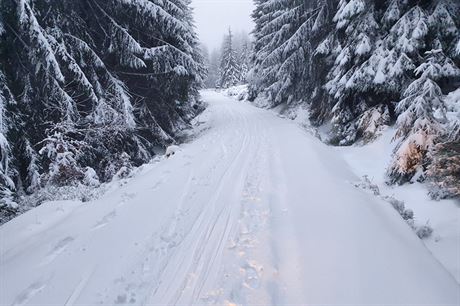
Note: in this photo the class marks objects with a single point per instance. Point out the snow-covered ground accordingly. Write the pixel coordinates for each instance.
(443, 216)
(254, 211)
(239, 92)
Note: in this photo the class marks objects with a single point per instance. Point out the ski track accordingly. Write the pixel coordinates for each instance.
(240, 216)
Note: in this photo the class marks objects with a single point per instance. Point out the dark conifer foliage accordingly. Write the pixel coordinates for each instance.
(88, 86)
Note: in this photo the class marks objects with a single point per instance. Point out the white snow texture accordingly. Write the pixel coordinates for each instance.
(255, 211)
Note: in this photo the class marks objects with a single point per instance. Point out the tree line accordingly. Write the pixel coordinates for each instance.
(229, 65)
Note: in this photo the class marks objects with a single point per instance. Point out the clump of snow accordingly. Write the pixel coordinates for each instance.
(240, 92)
(348, 9)
(91, 178)
(171, 150)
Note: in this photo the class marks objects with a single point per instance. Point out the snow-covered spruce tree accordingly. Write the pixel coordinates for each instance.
(8, 206)
(260, 17)
(400, 32)
(422, 114)
(419, 29)
(243, 62)
(229, 68)
(95, 79)
(213, 65)
(349, 85)
(282, 49)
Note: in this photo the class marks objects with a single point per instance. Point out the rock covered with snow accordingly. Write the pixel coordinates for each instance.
(171, 150)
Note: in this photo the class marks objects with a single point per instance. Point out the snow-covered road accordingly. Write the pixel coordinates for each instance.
(253, 212)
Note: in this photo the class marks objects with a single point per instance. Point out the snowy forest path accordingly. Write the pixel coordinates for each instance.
(255, 211)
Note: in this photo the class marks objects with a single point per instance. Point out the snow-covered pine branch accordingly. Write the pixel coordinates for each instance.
(115, 77)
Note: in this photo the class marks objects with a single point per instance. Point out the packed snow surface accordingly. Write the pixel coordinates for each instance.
(255, 211)
(443, 216)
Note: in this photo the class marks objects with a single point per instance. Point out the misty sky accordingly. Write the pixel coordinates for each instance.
(213, 17)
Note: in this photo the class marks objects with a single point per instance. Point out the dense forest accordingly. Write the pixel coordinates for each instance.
(90, 88)
(360, 65)
(229, 65)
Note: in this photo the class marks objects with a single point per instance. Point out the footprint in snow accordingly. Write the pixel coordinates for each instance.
(29, 293)
(157, 184)
(252, 273)
(125, 198)
(105, 220)
(125, 298)
(58, 249)
(127, 295)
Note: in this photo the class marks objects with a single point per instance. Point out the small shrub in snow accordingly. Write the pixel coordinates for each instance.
(400, 207)
(120, 167)
(424, 231)
(91, 178)
(8, 207)
(366, 184)
(61, 151)
(75, 192)
(408, 214)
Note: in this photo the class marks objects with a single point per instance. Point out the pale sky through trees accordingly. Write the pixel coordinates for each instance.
(213, 17)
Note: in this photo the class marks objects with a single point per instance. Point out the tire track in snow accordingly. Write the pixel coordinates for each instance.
(243, 279)
(179, 235)
(57, 250)
(200, 262)
(150, 264)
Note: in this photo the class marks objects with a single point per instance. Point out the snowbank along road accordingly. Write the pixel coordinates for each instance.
(253, 212)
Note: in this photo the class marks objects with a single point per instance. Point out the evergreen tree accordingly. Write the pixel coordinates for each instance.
(229, 69)
(422, 114)
(243, 62)
(281, 48)
(213, 69)
(356, 35)
(91, 81)
(7, 186)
